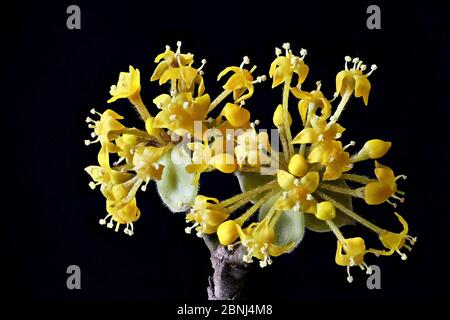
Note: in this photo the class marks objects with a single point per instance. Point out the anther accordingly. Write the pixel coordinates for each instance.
(372, 69)
(88, 119)
(173, 117)
(351, 144)
(185, 105)
(167, 47)
(93, 111)
(363, 67)
(245, 60)
(296, 182)
(92, 185)
(178, 47)
(319, 85)
(257, 122)
(93, 134)
(203, 64)
(286, 46)
(303, 53)
(309, 197)
(277, 51)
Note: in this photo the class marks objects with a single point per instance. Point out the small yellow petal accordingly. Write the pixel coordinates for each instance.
(285, 179)
(278, 118)
(227, 232)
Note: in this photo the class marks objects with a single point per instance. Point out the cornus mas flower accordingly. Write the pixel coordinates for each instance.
(309, 184)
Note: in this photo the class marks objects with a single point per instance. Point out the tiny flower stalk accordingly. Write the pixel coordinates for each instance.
(309, 184)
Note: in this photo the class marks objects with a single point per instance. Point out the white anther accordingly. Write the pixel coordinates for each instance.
(167, 47)
(257, 122)
(92, 185)
(93, 134)
(303, 52)
(286, 46)
(187, 230)
(102, 222)
(355, 60)
(363, 67)
(320, 137)
(348, 58)
(277, 51)
(246, 60)
(297, 206)
(110, 225)
(369, 270)
(144, 188)
(309, 197)
(203, 61)
(252, 124)
(260, 146)
(93, 111)
(87, 142)
(372, 69)
(185, 105)
(89, 120)
(297, 182)
(173, 117)
(350, 279)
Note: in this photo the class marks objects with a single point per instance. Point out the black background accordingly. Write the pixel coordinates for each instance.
(54, 76)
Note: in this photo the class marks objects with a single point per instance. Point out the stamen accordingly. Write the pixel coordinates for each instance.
(402, 176)
(297, 182)
(92, 184)
(402, 255)
(372, 69)
(398, 198)
(245, 60)
(203, 64)
(349, 277)
(93, 134)
(178, 48)
(286, 46)
(88, 119)
(335, 95)
(277, 51)
(355, 61)
(351, 144)
(309, 197)
(172, 117)
(257, 122)
(303, 53)
(144, 187)
(391, 203)
(347, 59)
(103, 221)
(185, 105)
(319, 85)
(260, 79)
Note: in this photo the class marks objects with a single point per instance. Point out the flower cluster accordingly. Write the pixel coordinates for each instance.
(309, 183)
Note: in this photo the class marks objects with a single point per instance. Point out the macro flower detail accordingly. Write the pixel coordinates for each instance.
(354, 80)
(307, 185)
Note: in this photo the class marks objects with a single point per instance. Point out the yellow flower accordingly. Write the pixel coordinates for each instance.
(395, 241)
(186, 77)
(353, 80)
(171, 59)
(122, 213)
(260, 240)
(206, 157)
(320, 131)
(106, 178)
(349, 253)
(314, 100)
(179, 113)
(386, 186)
(206, 215)
(283, 67)
(106, 130)
(128, 86)
(332, 155)
(372, 149)
(240, 82)
(145, 162)
(298, 192)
